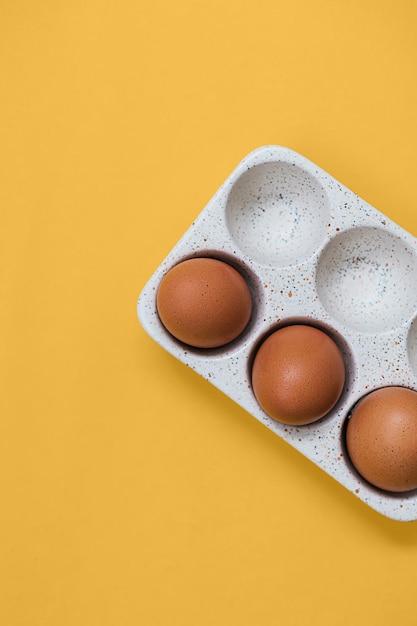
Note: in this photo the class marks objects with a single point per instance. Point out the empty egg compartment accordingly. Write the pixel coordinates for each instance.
(366, 279)
(311, 253)
(278, 214)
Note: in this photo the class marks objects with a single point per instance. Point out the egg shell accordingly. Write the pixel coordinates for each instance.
(381, 438)
(204, 302)
(298, 374)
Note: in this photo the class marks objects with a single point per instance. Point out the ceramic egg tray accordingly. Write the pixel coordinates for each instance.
(312, 251)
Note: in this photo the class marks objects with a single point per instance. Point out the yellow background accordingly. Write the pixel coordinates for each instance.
(132, 492)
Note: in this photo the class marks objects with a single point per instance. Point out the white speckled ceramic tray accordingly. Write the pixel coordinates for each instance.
(311, 251)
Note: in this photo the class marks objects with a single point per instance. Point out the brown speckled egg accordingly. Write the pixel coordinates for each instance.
(381, 438)
(204, 302)
(298, 374)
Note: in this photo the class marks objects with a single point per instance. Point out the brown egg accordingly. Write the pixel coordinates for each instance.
(381, 438)
(298, 374)
(204, 302)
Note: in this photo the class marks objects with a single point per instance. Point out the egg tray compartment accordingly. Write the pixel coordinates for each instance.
(311, 251)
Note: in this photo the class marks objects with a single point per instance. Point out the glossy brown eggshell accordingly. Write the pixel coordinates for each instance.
(298, 374)
(381, 438)
(204, 302)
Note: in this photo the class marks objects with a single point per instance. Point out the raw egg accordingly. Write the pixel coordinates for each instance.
(298, 374)
(381, 438)
(204, 302)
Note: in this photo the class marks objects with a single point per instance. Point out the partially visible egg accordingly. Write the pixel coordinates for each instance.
(381, 438)
(298, 374)
(204, 302)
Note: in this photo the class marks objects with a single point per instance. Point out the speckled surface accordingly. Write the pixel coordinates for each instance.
(312, 251)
